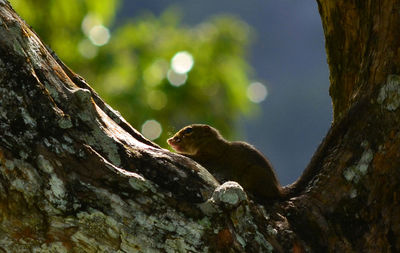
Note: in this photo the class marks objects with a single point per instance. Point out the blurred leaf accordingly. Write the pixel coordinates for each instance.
(133, 72)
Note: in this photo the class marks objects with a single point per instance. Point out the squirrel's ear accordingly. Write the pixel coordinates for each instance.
(211, 130)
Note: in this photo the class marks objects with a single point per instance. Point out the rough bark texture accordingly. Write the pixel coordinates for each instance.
(363, 47)
(75, 177)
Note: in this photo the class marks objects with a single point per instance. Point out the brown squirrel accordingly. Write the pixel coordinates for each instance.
(236, 161)
(241, 162)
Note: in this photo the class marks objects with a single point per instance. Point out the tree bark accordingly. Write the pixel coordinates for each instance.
(76, 177)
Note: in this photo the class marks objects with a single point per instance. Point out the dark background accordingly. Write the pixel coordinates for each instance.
(288, 55)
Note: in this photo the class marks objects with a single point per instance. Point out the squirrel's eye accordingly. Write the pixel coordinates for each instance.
(187, 131)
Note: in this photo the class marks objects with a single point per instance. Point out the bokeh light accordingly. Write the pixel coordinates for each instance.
(176, 79)
(157, 99)
(156, 72)
(151, 129)
(88, 22)
(87, 49)
(99, 35)
(257, 92)
(182, 62)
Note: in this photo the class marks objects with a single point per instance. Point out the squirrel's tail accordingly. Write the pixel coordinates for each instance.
(300, 185)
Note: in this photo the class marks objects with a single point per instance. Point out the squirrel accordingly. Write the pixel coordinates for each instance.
(241, 162)
(236, 161)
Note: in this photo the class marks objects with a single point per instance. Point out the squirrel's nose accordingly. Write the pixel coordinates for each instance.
(173, 140)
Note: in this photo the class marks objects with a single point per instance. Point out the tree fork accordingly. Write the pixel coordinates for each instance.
(74, 176)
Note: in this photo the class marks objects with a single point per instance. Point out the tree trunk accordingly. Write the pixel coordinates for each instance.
(76, 177)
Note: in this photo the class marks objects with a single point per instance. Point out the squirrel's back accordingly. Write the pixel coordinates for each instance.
(237, 161)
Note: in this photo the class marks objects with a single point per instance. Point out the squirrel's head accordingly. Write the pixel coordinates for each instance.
(193, 138)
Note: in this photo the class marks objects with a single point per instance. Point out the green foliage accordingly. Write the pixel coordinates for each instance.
(133, 71)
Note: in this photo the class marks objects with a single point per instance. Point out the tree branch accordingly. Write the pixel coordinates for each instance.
(75, 176)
